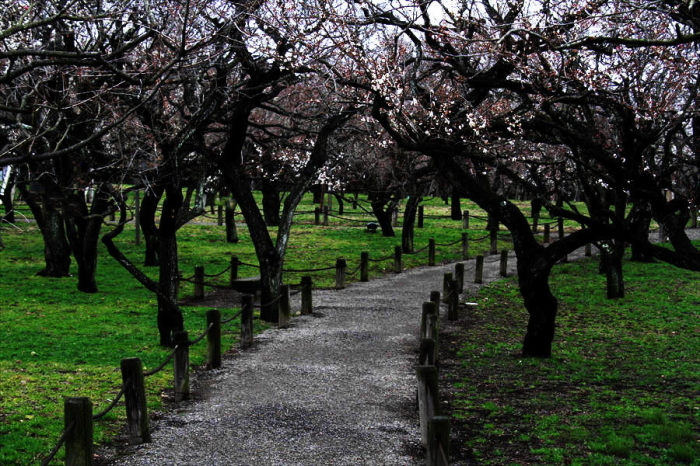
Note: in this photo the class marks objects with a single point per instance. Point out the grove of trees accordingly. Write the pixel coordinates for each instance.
(564, 102)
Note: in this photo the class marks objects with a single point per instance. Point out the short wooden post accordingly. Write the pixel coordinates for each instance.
(587, 250)
(199, 282)
(459, 276)
(77, 411)
(285, 307)
(233, 276)
(137, 421)
(479, 270)
(430, 326)
(560, 226)
(504, 263)
(181, 366)
(435, 297)
(420, 216)
(426, 352)
(465, 246)
(465, 220)
(453, 301)
(325, 215)
(398, 265)
(214, 339)
(364, 267)
(341, 266)
(428, 405)
(317, 216)
(446, 279)
(306, 295)
(438, 448)
(546, 233)
(493, 237)
(246, 340)
(431, 252)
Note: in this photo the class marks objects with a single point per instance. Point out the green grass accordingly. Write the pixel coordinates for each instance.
(621, 389)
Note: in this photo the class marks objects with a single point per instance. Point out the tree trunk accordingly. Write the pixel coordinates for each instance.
(409, 223)
(542, 308)
(231, 231)
(611, 255)
(147, 219)
(383, 217)
(7, 198)
(455, 207)
(169, 315)
(271, 202)
(46, 211)
(640, 221)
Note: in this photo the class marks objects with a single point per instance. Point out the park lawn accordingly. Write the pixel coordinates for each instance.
(58, 342)
(622, 387)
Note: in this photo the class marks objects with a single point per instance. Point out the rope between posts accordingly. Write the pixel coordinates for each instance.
(349, 219)
(274, 301)
(308, 270)
(418, 251)
(235, 316)
(449, 244)
(381, 260)
(160, 368)
(112, 404)
(218, 274)
(204, 334)
(59, 444)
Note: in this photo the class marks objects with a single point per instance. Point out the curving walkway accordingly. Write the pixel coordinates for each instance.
(336, 388)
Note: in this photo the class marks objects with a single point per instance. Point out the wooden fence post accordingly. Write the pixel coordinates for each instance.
(306, 295)
(438, 448)
(135, 401)
(453, 302)
(181, 366)
(364, 267)
(504, 263)
(317, 216)
(428, 405)
(431, 252)
(398, 265)
(234, 270)
(435, 297)
(325, 215)
(246, 340)
(479, 270)
(199, 282)
(214, 339)
(546, 233)
(465, 220)
(341, 266)
(426, 352)
(430, 326)
(459, 276)
(285, 307)
(78, 412)
(446, 279)
(465, 246)
(420, 216)
(493, 236)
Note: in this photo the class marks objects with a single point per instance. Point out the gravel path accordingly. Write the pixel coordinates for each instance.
(336, 388)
